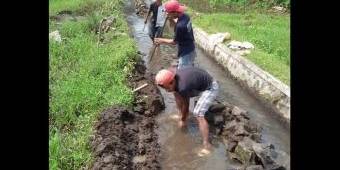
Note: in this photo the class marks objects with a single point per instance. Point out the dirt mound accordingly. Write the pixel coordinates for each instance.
(125, 137)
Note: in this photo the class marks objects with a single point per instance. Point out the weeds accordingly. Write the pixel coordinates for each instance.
(84, 79)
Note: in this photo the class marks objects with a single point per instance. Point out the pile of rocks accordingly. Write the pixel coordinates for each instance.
(242, 138)
(106, 24)
(279, 9)
(242, 48)
(55, 36)
(141, 8)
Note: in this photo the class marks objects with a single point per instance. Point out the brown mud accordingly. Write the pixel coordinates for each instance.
(124, 137)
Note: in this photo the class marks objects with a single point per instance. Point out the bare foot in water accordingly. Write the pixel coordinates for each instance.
(175, 117)
(181, 124)
(205, 151)
(207, 145)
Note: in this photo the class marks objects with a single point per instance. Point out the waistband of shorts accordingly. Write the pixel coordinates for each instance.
(211, 84)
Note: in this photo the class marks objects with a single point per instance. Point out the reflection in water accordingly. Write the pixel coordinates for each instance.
(180, 147)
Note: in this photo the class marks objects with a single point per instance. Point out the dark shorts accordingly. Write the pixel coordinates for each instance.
(154, 31)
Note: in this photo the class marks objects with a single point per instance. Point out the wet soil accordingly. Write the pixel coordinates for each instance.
(124, 137)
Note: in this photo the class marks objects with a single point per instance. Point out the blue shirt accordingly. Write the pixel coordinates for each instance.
(184, 36)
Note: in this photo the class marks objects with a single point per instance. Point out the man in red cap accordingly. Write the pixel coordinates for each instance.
(186, 83)
(184, 37)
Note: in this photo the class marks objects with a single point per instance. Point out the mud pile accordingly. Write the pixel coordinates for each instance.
(124, 137)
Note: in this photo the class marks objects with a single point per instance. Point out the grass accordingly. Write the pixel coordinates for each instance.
(84, 7)
(83, 80)
(270, 34)
(56, 6)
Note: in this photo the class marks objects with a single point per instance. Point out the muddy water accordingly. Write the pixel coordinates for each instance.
(179, 147)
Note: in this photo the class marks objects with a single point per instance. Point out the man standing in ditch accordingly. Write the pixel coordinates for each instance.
(157, 20)
(189, 82)
(184, 36)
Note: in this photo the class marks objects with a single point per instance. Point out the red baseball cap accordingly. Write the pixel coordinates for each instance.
(164, 77)
(174, 6)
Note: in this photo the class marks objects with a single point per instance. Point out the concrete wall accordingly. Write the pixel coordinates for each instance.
(267, 88)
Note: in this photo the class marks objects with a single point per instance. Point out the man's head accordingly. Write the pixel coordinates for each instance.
(166, 79)
(174, 9)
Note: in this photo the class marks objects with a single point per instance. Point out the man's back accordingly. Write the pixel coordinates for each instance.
(191, 81)
(184, 35)
(161, 15)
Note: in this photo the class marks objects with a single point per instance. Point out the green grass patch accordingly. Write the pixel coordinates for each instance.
(56, 6)
(270, 35)
(269, 32)
(83, 7)
(84, 79)
(269, 64)
(235, 6)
